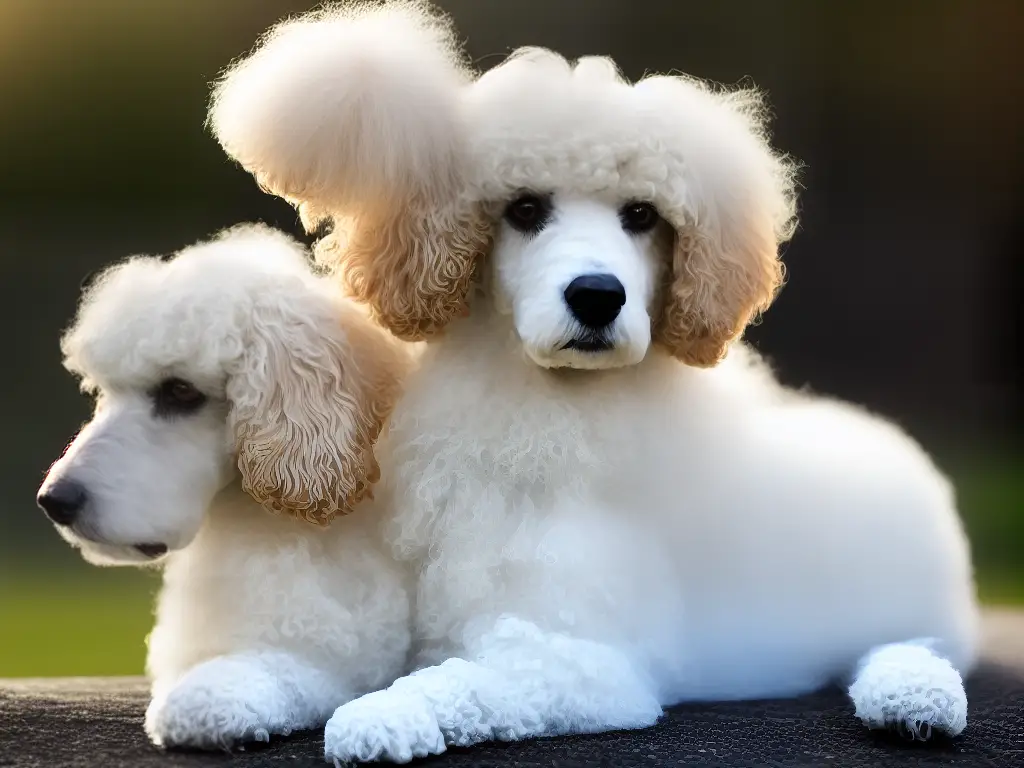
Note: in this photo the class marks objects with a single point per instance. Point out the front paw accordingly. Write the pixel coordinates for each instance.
(385, 725)
(211, 708)
(908, 690)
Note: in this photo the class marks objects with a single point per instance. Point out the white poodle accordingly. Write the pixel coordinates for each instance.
(610, 504)
(228, 379)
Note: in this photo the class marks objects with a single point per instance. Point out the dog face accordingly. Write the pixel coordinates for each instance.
(367, 115)
(229, 363)
(578, 275)
(137, 480)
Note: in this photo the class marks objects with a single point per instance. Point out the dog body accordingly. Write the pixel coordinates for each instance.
(593, 546)
(609, 502)
(223, 378)
(265, 625)
(731, 538)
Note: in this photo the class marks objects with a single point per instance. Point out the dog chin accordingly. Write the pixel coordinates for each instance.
(101, 553)
(586, 356)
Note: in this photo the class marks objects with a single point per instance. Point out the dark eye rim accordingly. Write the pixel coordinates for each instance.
(539, 217)
(175, 396)
(644, 223)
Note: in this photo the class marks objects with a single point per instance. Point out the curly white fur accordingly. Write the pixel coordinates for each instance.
(593, 545)
(910, 689)
(264, 119)
(265, 623)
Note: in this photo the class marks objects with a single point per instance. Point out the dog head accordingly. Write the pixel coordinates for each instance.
(230, 359)
(601, 216)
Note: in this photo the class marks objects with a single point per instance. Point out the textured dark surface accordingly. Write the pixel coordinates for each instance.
(98, 722)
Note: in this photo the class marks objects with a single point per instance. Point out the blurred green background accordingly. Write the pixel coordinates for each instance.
(905, 279)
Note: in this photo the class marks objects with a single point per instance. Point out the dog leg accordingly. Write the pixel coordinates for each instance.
(246, 697)
(516, 682)
(908, 688)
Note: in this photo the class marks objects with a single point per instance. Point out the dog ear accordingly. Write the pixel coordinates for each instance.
(718, 284)
(725, 261)
(354, 114)
(308, 401)
(413, 267)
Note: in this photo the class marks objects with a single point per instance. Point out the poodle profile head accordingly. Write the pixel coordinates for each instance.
(230, 362)
(600, 217)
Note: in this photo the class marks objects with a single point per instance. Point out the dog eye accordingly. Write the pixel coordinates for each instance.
(528, 213)
(176, 397)
(638, 218)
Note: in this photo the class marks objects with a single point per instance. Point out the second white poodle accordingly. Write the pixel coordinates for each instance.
(610, 504)
(228, 379)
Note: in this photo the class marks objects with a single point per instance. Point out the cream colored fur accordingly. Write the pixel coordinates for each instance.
(666, 524)
(267, 620)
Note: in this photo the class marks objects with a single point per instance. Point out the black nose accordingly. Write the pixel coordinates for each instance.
(62, 501)
(595, 300)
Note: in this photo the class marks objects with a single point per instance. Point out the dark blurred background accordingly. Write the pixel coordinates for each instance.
(905, 276)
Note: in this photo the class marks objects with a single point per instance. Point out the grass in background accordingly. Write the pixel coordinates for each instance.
(990, 495)
(71, 619)
(60, 616)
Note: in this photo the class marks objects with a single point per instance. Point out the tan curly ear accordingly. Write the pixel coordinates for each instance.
(732, 203)
(354, 113)
(413, 268)
(717, 286)
(308, 401)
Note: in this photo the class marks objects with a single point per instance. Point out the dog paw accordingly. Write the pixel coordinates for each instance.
(911, 691)
(383, 726)
(215, 708)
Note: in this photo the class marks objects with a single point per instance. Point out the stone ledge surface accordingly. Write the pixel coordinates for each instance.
(85, 722)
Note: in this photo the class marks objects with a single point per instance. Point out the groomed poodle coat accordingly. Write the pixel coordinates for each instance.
(229, 381)
(609, 502)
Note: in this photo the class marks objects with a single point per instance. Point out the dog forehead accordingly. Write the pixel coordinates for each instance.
(540, 123)
(148, 319)
(131, 340)
(211, 280)
(145, 295)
